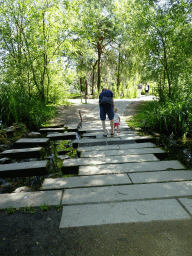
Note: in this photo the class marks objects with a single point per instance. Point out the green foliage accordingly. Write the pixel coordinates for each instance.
(10, 210)
(45, 207)
(48, 47)
(20, 108)
(58, 207)
(28, 209)
(171, 116)
(74, 96)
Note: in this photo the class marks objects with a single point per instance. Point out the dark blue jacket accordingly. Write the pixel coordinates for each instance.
(106, 93)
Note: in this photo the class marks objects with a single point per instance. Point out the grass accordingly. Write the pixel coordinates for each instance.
(45, 207)
(74, 96)
(137, 121)
(30, 209)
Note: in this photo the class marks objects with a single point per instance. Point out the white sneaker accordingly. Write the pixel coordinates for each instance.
(105, 133)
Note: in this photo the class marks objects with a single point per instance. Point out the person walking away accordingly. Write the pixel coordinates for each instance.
(146, 89)
(139, 90)
(116, 119)
(106, 104)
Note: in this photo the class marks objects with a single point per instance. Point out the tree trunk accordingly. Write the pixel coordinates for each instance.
(93, 77)
(166, 68)
(99, 67)
(118, 69)
(86, 85)
(81, 86)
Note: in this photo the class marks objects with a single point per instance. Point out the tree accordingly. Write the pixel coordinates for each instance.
(99, 27)
(162, 41)
(32, 38)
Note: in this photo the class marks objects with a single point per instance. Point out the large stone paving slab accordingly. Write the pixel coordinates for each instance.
(151, 177)
(120, 146)
(137, 145)
(187, 202)
(109, 160)
(122, 152)
(137, 137)
(85, 140)
(23, 153)
(97, 148)
(85, 181)
(122, 134)
(131, 167)
(127, 192)
(24, 199)
(87, 134)
(57, 129)
(122, 212)
(96, 128)
(32, 142)
(62, 136)
(24, 169)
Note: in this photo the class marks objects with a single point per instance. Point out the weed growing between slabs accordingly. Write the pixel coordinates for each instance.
(30, 209)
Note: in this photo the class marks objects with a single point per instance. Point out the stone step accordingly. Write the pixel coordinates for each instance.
(94, 129)
(163, 176)
(24, 199)
(112, 140)
(71, 127)
(23, 153)
(46, 130)
(131, 167)
(127, 192)
(137, 145)
(62, 136)
(32, 142)
(26, 169)
(140, 151)
(120, 135)
(85, 181)
(110, 160)
(100, 133)
(122, 212)
(97, 148)
(113, 147)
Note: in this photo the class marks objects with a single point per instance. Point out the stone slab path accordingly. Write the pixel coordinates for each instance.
(33, 142)
(23, 199)
(23, 153)
(120, 180)
(130, 167)
(110, 159)
(124, 212)
(121, 152)
(149, 190)
(23, 169)
(109, 147)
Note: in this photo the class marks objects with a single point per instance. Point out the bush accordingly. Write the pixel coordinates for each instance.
(171, 116)
(17, 107)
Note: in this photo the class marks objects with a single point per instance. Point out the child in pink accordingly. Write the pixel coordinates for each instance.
(116, 119)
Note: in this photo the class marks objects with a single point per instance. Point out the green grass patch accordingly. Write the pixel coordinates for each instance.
(173, 116)
(45, 207)
(74, 96)
(138, 120)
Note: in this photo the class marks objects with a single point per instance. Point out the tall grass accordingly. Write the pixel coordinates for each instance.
(17, 107)
(170, 116)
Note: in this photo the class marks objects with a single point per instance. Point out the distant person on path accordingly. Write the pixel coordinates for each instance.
(139, 90)
(146, 89)
(106, 105)
(116, 120)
